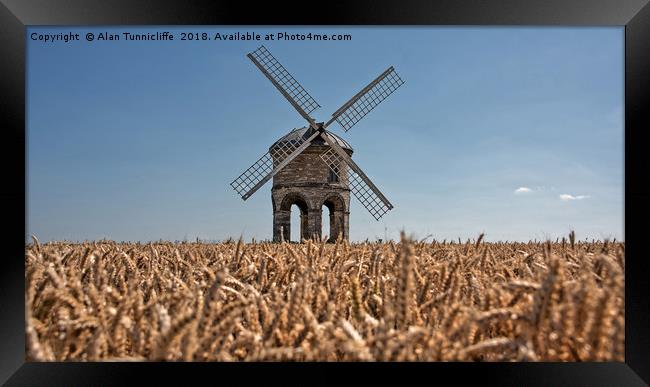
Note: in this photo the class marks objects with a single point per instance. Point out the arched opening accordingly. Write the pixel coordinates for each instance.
(336, 208)
(296, 207)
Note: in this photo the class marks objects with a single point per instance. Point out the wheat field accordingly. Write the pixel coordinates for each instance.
(397, 301)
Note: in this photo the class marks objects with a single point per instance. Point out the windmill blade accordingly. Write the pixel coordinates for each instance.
(269, 164)
(286, 84)
(360, 185)
(367, 99)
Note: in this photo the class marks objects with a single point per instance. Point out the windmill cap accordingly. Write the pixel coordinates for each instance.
(298, 133)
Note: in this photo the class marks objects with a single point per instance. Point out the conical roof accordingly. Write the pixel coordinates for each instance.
(298, 133)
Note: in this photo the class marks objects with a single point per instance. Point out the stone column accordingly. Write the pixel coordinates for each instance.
(315, 224)
(338, 225)
(335, 225)
(281, 225)
(304, 226)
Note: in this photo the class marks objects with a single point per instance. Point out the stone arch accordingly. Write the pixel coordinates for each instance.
(294, 198)
(338, 213)
(282, 217)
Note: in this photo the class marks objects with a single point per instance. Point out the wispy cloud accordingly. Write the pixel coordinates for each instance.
(523, 190)
(567, 197)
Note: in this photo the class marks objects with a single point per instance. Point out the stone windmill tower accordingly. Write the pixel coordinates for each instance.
(310, 184)
(312, 167)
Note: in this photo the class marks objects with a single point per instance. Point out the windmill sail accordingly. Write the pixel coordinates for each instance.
(368, 196)
(293, 91)
(367, 99)
(269, 164)
(360, 185)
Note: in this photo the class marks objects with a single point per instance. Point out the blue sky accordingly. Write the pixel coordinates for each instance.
(514, 132)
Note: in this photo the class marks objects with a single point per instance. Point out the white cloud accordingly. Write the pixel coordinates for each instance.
(567, 197)
(523, 190)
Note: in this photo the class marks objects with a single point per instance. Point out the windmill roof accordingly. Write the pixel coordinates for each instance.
(298, 133)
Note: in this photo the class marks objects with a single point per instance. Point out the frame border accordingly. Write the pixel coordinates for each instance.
(16, 15)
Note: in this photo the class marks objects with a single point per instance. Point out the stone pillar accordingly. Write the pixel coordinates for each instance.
(315, 224)
(337, 225)
(304, 226)
(281, 225)
(334, 227)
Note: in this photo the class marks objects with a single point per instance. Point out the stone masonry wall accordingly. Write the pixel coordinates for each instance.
(304, 182)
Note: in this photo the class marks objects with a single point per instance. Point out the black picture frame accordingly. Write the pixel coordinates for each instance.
(17, 15)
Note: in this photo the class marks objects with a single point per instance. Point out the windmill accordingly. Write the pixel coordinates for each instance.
(312, 167)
